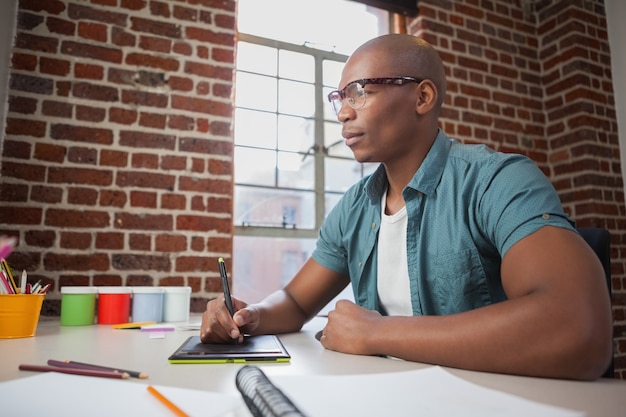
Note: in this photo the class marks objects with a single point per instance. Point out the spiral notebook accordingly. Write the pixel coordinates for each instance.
(429, 392)
(263, 398)
(263, 348)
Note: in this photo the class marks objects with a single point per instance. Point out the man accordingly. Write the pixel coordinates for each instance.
(458, 255)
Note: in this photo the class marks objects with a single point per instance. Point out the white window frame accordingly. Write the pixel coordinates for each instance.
(318, 150)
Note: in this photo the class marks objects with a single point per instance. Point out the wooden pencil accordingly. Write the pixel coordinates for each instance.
(74, 371)
(81, 365)
(9, 275)
(166, 402)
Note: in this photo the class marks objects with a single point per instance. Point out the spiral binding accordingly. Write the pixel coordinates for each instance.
(263, 398)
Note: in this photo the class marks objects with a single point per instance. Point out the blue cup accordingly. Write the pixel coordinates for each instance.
(147, 304)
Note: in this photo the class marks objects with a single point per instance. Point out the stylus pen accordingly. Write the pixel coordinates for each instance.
(227, 297)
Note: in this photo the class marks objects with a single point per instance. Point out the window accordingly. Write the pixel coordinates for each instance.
(291, 165)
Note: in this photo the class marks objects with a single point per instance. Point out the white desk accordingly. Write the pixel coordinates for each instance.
(134, 350)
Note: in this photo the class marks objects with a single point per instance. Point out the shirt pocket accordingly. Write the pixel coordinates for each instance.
(458, 283)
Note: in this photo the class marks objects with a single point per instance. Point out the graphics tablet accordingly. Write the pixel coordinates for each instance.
(263, 348)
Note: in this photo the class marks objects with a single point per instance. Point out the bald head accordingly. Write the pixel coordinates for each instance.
(405, 55)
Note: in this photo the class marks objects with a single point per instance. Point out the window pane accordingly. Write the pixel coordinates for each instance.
(256, 206)
(295, 171)
(296, 98)
(329, 111)
(295, 133)
(330, 201)
(320, 23)
(297, 66)
(255, 166)
(256, 58)
(332, 73)
(263, 265)
(255, 91)
(341, 174)
(255, 128)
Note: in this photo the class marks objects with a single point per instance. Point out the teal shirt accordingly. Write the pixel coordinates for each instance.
(466, 205)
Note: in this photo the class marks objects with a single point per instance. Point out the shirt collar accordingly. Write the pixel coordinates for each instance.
(427, 176)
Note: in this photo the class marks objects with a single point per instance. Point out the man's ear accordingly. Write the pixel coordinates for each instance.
(426, 98)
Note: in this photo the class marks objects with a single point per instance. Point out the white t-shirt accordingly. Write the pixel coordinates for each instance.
(394, 291)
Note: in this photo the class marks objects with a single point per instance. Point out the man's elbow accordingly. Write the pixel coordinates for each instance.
(593, 351)
(593, 364)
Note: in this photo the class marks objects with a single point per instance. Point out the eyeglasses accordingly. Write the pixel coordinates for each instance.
(354, 92)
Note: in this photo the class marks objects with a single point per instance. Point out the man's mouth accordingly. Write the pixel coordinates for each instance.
(352, 137)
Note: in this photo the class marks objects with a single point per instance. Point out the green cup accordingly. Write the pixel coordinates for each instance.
(78, 306)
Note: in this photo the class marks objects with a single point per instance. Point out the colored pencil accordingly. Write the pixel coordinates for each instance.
(81, 365)
(6, 285)
(35, 287)
(44, 289)
(134, 325)
(168, 403)
(9, 275)
(23, 282)
(74, 371)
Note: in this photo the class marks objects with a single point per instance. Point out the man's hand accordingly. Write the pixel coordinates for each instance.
(219, 327)
(349, 328)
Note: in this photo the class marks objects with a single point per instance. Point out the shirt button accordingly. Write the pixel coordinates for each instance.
(360, 265)
(373, 225)
(546, 216)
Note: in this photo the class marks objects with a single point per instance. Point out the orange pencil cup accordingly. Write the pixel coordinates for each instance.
(19, 315)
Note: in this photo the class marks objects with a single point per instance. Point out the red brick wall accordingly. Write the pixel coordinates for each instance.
(117, 155)
(534, 77)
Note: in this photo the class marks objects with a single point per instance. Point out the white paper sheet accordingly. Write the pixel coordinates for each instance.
(424, 393)
(52, 394)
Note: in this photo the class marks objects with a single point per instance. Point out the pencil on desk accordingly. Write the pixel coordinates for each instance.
(166, 402)
(135, 325)
(81, 365)
(74, 371)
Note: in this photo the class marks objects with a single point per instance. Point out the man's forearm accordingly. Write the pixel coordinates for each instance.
(279, 313)
(514, 339)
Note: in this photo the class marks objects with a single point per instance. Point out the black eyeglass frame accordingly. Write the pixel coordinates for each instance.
(338, 96)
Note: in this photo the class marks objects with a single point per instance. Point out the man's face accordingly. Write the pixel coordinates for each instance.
(384, 128)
